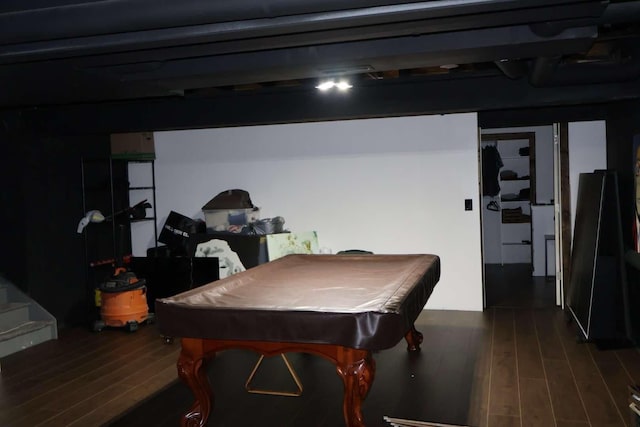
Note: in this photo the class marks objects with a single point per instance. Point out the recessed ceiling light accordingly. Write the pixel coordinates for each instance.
(449, 66)
(324, 86)
(342, 85)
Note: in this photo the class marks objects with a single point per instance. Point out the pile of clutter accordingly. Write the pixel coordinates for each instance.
(232, 211)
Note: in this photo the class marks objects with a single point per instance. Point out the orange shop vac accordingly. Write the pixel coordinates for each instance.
(122, 298)
(123, 302)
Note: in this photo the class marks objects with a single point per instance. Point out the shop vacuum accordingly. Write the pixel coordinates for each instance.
(123, 301)
(122, 298)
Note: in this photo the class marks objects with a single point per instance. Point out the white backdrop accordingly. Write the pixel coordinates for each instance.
(392, 185)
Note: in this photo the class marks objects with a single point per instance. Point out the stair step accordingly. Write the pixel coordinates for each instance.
(24, 335)
(9, 306)
(3, 294)
(23, 328)
(13, 313)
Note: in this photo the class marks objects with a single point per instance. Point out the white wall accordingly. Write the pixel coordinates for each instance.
(587, 152)
(393, 185)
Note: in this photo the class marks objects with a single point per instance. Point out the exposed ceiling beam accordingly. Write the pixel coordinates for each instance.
(31, 21)
(381, 99)
(64, 83)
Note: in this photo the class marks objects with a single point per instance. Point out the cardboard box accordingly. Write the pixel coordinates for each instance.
(136, 146)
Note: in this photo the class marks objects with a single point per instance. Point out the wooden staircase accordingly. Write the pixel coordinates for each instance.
(23, 322)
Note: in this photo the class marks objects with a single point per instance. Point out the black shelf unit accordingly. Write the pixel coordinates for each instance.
(144, 188)
(106, 187)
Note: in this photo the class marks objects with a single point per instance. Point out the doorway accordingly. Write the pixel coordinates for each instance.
(518, 232)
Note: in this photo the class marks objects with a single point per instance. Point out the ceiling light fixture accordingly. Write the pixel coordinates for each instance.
(342, 85)
(325, 86)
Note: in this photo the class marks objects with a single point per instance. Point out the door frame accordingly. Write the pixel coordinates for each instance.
(563, 227)
(507, 136)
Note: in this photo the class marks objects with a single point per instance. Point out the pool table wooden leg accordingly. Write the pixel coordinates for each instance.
(414, 339)
(192, 370)
(357, 370)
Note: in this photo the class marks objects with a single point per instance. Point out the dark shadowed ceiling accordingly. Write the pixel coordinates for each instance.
(540, 52)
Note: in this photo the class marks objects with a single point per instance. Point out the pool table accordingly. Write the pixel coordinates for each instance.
(340, 307)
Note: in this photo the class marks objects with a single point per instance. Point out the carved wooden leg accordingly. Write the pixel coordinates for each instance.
(414, 339)
(191, 369)
(357, 369)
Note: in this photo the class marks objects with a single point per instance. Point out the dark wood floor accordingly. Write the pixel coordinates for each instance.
(528, 292)
(83, 378)
(512, 365)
